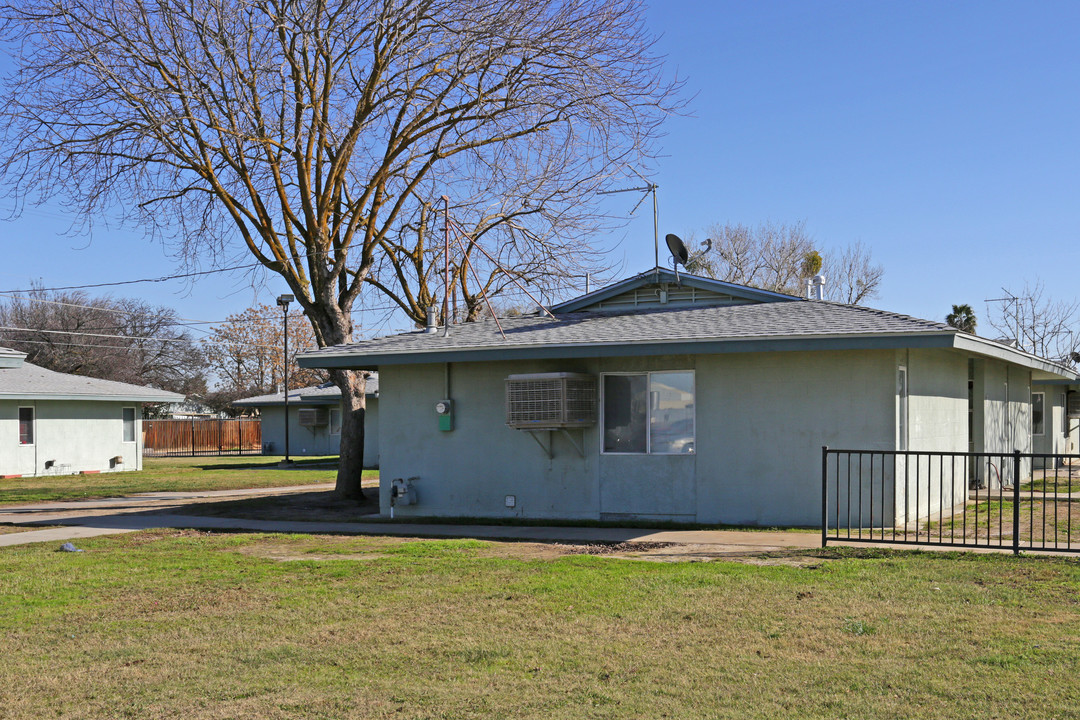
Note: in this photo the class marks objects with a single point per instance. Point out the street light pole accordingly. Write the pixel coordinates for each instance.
(283, 301)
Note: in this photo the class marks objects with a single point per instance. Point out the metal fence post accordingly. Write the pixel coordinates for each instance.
(1016, 502)
(825, 495)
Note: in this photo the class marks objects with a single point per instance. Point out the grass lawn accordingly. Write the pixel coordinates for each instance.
(174, 474)
(188, 625)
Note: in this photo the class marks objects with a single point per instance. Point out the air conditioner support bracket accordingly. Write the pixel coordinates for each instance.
(546, 448)
(549, 449)
(570, 438)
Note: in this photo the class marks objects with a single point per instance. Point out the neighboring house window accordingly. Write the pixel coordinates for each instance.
(1038, 427)
(335, 421)
(649, 413)
(129, 424)
(902, 408)
(26, 426)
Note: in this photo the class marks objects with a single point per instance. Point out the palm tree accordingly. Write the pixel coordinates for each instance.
(962, 318)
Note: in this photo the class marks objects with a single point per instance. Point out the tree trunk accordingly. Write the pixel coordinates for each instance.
(353, 385)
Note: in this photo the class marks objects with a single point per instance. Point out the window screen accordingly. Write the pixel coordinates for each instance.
(1037, 426)
(129, 424)
(26, 426)
(625, 413)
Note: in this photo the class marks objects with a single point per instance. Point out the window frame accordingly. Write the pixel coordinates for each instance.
(33, 425)
(330, 421)
(648, 416)
(134, 425)
(1042, 414)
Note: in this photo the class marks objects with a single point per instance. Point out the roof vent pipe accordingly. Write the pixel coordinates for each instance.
(819, 287)
(431, 326)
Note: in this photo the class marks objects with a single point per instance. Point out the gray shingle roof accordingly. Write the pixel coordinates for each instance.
(667, 326)
(326, 394)
(30, 382)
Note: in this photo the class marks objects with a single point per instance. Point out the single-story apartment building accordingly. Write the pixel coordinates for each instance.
(55, 423)
(314, 421)
(689, 399)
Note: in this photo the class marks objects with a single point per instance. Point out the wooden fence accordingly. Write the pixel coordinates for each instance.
(171, 438)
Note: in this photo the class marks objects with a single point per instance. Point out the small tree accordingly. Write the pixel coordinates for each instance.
(246, 350)
(962, 318)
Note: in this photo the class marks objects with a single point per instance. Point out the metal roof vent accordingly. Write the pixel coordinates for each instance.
(431, 322)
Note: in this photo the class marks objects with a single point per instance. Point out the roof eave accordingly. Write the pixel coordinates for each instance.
(988, 348)
(96, 397)
(352, 360)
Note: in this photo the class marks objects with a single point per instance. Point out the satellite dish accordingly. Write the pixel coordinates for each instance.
(679, 253)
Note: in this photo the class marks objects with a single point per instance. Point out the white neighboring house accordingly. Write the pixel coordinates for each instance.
(54, 423)
(314, 421)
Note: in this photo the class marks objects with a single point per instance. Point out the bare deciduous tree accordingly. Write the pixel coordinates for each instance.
(1037, 323)
(310, 135)
(246, 351)
(852, 276)
(781, 257)
(122, 339)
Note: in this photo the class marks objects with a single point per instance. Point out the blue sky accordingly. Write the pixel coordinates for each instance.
(943, 136)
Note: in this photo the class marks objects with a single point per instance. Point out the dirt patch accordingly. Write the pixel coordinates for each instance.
(376, 548)
(318, 506)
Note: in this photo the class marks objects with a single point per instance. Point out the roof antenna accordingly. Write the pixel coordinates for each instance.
(648, 187)
(679, 254)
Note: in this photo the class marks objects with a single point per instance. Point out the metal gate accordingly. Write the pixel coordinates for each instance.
(1016, 501)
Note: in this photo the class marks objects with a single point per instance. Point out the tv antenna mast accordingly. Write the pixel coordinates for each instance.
(1013, 300)
(648, 187)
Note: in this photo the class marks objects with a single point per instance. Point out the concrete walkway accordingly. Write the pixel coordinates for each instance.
(90, 518)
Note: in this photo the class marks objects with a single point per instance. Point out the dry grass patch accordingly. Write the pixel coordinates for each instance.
(175, 475)
(185, 624)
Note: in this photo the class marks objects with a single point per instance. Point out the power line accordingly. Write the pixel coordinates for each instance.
(76, 333)
(163, 278)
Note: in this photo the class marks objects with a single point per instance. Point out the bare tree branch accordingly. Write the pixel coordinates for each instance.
(311, 134)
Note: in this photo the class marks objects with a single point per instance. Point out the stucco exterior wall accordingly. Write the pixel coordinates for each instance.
(926, 485)
(76, 435)
(761, 420)
(1006, 396)
(317, 440)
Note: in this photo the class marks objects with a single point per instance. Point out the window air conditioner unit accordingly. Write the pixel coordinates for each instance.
(313, 417)
(540, 401)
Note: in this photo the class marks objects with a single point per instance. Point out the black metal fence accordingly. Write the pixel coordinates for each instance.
(1018, 501)
(193, 438)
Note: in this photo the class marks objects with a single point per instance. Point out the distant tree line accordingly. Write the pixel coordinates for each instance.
(782, 257)
(133, 341)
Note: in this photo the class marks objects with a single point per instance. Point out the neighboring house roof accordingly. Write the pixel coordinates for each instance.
(10, 358)
(30, 382)
(325, 394)
(792, 324)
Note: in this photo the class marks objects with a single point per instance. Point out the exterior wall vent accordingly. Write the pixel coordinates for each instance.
(312, 417)
(540, 401)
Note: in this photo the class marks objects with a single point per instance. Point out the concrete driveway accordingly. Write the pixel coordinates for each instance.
(108, 516)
